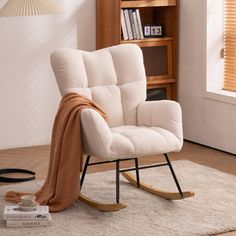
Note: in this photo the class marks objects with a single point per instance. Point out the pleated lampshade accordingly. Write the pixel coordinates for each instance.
(30, 8)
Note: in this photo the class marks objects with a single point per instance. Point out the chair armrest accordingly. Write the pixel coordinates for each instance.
(164, 114)
(97, 136)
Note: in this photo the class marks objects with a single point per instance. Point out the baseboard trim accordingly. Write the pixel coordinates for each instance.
(203, 145)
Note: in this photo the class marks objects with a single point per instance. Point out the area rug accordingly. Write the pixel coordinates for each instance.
(212, 210)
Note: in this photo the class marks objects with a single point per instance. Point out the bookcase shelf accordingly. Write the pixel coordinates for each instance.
(159, 80)
(150, 3)
(160, 54)
(147, 40)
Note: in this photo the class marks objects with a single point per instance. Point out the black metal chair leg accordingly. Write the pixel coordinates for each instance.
(117, 181)
(173, 174)
(84, 172)
(137, 172)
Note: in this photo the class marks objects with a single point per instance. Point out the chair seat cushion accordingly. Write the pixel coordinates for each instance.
(138, 141)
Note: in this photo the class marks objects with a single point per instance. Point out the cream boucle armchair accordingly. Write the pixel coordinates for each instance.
(115, 79)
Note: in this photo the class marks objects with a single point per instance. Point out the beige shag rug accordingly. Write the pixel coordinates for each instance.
(212, 210)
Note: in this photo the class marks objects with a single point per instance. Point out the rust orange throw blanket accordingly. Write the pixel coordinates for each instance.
(62, 185)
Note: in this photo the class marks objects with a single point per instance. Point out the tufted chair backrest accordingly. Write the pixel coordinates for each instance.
(112, 77)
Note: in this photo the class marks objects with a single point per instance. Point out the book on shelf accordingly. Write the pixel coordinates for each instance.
(13, 213)
(131, 24)
(128, 25)
(131, 17)
(136, 24)
(123, 26)
(28, 223)
(139, 23)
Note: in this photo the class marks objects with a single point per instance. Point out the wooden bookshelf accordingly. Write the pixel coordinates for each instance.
(160, 54)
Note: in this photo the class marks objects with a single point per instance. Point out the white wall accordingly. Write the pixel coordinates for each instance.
(206, 121)
(29, 96)
(28, 93)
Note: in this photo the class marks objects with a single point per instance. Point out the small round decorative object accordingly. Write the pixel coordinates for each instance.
(15, 180)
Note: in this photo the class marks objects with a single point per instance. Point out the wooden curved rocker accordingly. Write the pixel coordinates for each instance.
(134, 180)
(106, 207)
(109, 207)
(158, 192)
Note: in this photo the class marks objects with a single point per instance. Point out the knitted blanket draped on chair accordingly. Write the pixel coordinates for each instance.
(62, 185)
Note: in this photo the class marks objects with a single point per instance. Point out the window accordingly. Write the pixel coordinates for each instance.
(230, 45)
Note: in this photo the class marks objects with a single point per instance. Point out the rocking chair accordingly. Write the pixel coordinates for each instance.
(115, 79)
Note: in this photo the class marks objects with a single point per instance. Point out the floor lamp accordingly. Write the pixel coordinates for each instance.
(14, 8)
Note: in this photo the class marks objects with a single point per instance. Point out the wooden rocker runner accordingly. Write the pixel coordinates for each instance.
(106, 207)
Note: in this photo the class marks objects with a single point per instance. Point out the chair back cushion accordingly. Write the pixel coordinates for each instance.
(113, 77)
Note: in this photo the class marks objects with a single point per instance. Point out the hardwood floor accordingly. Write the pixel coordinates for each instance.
(36, 159)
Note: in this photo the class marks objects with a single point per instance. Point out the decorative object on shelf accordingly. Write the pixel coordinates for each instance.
(30, 8)
(153, 31)
(147, 31)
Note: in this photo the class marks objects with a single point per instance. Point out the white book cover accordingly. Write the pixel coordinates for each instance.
(136, 24)
(28, 223)
(139, 24)
(14, 213)
(123, 26)
(128, 25)
(131, 17)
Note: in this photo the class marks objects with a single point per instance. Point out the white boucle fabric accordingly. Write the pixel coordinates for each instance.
(100, 71)
(211, 211)
(115, 79)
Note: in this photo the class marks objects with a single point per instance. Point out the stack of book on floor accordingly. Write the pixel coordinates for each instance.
(131, 24)
(15, 217)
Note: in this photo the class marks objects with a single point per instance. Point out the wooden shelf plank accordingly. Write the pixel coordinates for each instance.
(151, 80)
(147, 40)
(150, 3)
